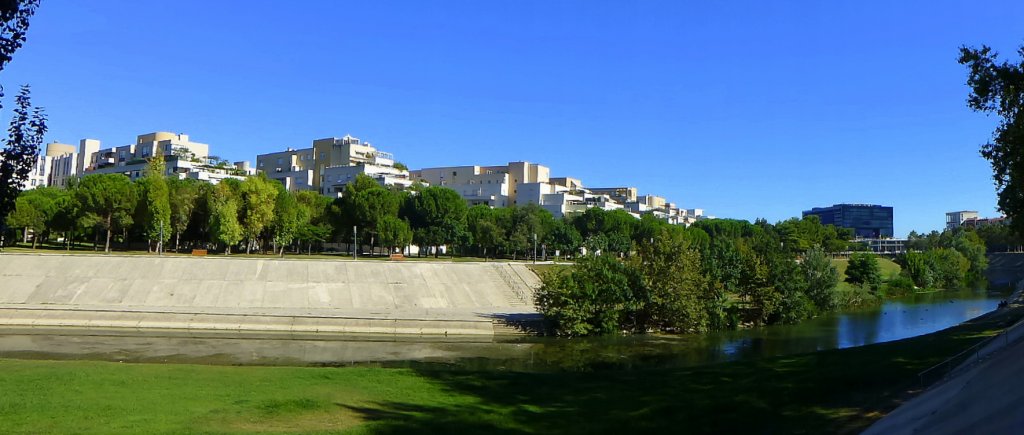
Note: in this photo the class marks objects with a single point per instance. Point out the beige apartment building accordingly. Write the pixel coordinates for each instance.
(497, 186)
(327, 161)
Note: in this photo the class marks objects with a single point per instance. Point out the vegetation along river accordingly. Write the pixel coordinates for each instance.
(894, 320)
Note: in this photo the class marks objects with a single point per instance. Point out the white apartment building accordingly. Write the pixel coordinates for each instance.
(335, 178)
(956, 219)
(496, 186)
(320, 166)
(185, 159)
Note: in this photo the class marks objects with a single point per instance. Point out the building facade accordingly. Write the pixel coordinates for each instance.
(956, 219)
(867, 221)
(320, 166)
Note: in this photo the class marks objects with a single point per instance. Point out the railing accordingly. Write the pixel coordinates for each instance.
(973, 355)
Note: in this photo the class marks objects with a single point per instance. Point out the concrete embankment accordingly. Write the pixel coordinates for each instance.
(985, 398)
(265, 295)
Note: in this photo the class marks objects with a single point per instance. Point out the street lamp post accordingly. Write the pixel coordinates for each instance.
(355, 243)
(534, 248)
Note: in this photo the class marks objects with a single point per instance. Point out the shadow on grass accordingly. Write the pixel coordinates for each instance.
(838, 391)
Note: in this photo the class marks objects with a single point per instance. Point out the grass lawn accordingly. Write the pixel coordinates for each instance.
(825, 392)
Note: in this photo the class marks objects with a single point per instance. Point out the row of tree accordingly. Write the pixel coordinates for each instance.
(950, 259)
(714, 275)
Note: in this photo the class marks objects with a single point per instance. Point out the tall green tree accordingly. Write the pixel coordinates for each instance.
(224, 225)
(998, 87)
(821, 277)
(155, 203)
(21, 148)
(393, 232)
(863, 269)
(286, 218)
(437, 216)
(29, 124)
(184, 195)
(675, 288)
(109, 199)
(33, 211)
(257, 199)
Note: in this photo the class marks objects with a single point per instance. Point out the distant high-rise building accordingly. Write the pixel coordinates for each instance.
(866, 220)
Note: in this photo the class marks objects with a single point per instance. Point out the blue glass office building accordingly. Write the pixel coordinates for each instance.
(866, 220)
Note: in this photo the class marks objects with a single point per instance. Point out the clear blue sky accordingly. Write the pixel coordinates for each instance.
(745, 109)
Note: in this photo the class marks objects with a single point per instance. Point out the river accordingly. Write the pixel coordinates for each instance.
(894, 320)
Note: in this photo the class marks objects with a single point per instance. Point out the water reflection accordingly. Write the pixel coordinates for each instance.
(894, 320)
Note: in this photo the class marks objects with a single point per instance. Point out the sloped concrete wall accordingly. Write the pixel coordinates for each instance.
(260, 294)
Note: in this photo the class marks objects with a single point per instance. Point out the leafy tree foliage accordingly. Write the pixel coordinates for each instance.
(437, 216)
(998, 87)
(821, 278)
(109, 199)
(863, 269)
(183, 198)
(224, 224)
(257, 207)
(154, 206)
(25, 135)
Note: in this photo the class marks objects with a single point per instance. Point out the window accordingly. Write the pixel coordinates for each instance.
(323, 155)
(261, 164)
(280, 161)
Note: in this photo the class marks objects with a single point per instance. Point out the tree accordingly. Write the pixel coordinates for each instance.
(393, 232)
(821, 277)
(155, 204)
(437, 216)
(32, 211)
(183, 196)
(110, 199)
(257, 207)
(224, 226)
(593, 298)
(27, 131)
(25, 135)
(916, 266)
(674, 288)
(371, 206)
(314, 218)
(285, 225)
(863, 269)
(564, 238)
(998, 87)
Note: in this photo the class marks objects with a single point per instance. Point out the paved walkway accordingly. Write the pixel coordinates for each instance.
(987, 398)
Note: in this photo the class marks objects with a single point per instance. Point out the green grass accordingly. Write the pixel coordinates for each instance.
(888, 267)
(824, 392)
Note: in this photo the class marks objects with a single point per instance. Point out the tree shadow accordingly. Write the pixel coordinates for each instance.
(835, 391)
(525, 323)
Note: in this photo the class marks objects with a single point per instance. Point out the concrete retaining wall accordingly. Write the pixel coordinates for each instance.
(241, 294)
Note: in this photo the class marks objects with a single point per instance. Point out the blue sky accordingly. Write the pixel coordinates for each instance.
(744, 109)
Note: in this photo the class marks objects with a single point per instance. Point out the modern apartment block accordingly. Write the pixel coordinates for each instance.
(956, 219)
(970, 219)
(496, 186)
(185, 158)
(522, 183)
(330, 164)
(866, 220)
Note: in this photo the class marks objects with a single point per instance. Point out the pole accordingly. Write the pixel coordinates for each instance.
(160, 243)
(355, 244)
(534, 248)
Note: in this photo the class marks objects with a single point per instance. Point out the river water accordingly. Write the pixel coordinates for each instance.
(894, 320)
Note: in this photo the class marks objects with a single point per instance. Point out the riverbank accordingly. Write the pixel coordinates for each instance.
(840, 391)
(263, 295)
